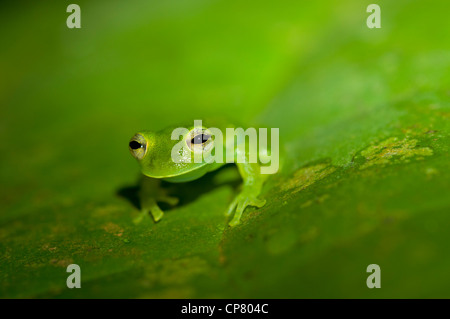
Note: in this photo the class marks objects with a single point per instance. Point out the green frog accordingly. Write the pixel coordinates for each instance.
(186, 152)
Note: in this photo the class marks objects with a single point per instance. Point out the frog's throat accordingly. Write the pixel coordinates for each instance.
(174, 175)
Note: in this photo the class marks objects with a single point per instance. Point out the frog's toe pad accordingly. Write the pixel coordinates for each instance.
(157, 214)
(258, 202)
(249, 201)
(240, 203)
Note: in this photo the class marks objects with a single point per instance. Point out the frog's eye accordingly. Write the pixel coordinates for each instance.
(138, 146)
(134, 145)
(199, 139)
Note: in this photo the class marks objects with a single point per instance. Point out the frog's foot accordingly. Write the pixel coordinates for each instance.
(239, 204)
(156, 212)
(152, 207)
(172, 201)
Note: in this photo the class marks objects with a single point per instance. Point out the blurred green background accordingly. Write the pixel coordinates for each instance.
(364, 115)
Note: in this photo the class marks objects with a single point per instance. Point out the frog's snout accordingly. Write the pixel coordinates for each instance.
(138, 146)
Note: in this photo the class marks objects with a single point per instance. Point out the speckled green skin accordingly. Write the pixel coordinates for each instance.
(157, 164)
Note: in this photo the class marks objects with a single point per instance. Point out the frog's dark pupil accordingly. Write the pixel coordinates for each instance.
(134, 145)
(200, 139)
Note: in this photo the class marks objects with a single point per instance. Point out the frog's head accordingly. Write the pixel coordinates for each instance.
(172, 152)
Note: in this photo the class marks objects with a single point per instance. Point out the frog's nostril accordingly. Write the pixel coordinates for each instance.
(134, 145)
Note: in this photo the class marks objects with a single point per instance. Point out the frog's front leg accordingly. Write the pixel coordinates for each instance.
(150, 193)
(251, 188)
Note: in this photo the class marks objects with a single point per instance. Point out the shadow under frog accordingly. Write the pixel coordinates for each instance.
(185, 192)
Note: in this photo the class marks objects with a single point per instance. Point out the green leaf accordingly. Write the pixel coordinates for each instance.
(363, 117)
